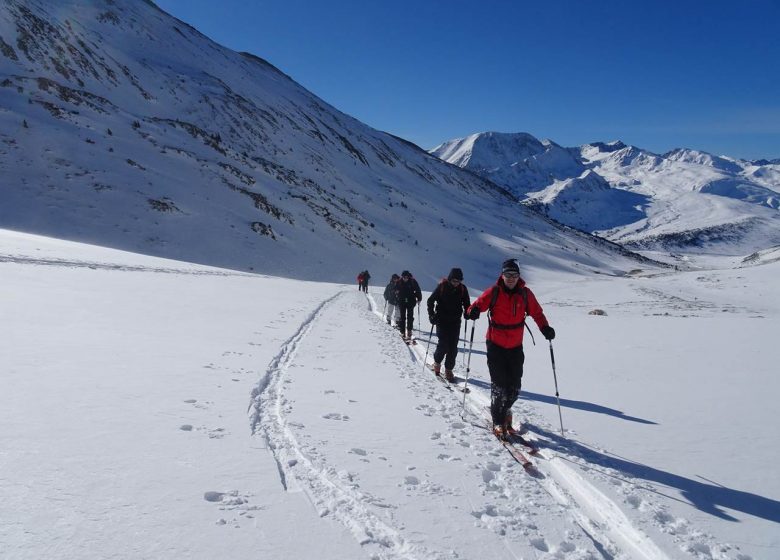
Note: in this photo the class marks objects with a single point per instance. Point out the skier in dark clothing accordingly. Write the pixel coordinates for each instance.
(364, 282)
(408, 295)
(507, 303)
(391, 300)
(446, 304)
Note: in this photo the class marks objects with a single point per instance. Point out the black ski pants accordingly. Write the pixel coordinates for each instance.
(447, 346)
(506, 374)
(406, 320)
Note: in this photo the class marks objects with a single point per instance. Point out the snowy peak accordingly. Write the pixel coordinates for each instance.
(519, 162)
(488, 150)
(703, 158)
(684, 198)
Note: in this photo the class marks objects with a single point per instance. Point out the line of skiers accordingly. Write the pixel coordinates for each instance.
(507, 303)
(402, 294)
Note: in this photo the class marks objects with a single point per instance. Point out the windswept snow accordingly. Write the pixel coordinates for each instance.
(220, 414)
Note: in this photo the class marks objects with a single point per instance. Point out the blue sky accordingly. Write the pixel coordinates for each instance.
(659, 75)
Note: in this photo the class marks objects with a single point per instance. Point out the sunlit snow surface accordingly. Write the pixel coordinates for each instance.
(158, 409)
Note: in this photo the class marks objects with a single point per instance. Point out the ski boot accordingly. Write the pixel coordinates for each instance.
(510, 430)
(500, 432)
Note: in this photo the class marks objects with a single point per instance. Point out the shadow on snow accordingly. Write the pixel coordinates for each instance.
(709, 498)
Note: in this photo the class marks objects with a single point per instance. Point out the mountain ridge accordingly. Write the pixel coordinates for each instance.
(124, 128)
(679, 198)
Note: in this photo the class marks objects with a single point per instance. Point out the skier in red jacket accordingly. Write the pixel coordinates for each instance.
(507, 302)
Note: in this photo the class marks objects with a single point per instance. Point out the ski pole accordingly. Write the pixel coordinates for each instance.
(419, 321)
(430, 336)
(555, 377)
(463, 355)
(468, 369)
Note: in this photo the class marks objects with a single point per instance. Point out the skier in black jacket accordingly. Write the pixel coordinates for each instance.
(447, 303)
(364, 282)
(391, 300)
(408, 295)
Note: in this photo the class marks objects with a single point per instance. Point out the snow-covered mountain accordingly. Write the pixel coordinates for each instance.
(684, 200)
(518, 161)
(122, 126)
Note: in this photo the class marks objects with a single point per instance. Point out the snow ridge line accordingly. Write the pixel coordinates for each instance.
(595, 513)
(15, 259)
(321, 486)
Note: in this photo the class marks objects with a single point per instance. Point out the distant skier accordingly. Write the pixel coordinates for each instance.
(391, 299)
(408, 295)
(360, 280)
(507, 303)
(446, 304)
(364, 282)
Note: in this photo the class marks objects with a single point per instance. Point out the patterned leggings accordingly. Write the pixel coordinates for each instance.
(506, 374)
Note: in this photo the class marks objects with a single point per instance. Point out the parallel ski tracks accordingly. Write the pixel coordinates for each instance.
(299, 473)
(596, 514)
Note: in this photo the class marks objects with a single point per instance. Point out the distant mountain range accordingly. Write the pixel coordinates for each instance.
(122, 126)
(684, 200)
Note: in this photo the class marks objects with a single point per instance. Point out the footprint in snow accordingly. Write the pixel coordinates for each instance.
(358, 451)
(540, 544)
(336, 416)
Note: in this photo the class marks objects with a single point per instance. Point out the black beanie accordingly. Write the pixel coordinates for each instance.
(510, 265)
(455, 274)
(406, 273)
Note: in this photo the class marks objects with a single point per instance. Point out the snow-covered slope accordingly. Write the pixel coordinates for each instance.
(684, 200)
(159, 409)
(122, 126)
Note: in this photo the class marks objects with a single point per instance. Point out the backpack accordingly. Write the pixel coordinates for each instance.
(494, 298)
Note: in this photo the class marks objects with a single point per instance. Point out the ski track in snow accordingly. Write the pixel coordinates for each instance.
(602, 521)
(297, 471)
(559, 472)
(599, 517)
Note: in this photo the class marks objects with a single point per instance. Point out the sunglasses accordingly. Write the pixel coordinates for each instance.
(511, 275)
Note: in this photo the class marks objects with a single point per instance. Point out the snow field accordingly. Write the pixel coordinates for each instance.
(126, 382)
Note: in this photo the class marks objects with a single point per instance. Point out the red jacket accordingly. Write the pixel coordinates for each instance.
(508, 314)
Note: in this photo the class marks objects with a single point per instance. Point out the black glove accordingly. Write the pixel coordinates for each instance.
(432, 318)
(473, 313)
(548, 332)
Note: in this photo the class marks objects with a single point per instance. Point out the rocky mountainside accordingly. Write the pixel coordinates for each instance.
(122, 126)
(684, 200)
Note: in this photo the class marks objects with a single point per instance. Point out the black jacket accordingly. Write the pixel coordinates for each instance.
(408, 293)
(390, 293)
(448, 302)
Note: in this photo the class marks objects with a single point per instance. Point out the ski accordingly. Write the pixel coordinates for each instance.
(440, 377)
(446, 383)
(532, 448)
(516, 454)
